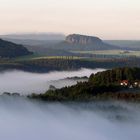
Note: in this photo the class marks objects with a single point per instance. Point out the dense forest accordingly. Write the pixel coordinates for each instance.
(110, 88)
(66, 63)
(116, 75)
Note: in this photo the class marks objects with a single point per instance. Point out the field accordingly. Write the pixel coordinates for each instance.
(98, 55)
(37, 56)
(112, 53)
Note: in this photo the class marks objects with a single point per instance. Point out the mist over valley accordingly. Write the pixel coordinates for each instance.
(70, 70)
(25, 119)
(27, 83)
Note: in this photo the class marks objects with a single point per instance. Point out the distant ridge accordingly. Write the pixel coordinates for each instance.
(35, 36)
(72, 42)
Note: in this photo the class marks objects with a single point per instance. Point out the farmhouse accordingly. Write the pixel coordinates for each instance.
(124, 83)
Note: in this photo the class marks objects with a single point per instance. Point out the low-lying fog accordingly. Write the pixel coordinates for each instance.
(24, 119)
(21, 119)
(27, 83)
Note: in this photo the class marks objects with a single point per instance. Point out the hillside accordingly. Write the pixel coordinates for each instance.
(101, 86)
(9, 49)
(114, 76)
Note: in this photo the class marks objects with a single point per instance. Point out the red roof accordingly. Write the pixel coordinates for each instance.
(125, 81)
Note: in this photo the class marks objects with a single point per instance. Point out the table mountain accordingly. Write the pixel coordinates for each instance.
(77, 42)
(82, 39)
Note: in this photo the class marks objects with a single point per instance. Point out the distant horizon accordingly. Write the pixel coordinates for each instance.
(61, 34)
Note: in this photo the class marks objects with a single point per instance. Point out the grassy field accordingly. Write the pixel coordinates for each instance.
(111, 52)
(101, 55)
(37, 56)
(58, 57)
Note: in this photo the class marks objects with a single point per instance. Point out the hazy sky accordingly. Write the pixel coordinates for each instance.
(108, 19)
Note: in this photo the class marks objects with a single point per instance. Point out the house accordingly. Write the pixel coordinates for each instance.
(124, 83)
(137, 84)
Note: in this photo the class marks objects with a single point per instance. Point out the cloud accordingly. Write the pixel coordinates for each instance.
(26, 120)
(27, 83)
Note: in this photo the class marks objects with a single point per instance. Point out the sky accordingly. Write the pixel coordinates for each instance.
(107, 19)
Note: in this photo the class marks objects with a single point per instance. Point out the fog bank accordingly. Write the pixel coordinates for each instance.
(27, 83)
(21, 119)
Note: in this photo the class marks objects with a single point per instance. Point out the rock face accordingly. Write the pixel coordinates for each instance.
(76, 42)
(82, 39)
(9, 49)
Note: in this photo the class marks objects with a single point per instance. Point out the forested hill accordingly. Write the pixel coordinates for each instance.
(103, 85)
(116, 75)
(9, 49)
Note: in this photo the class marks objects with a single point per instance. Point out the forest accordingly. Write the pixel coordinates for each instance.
(42, 65)
(101, 86)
